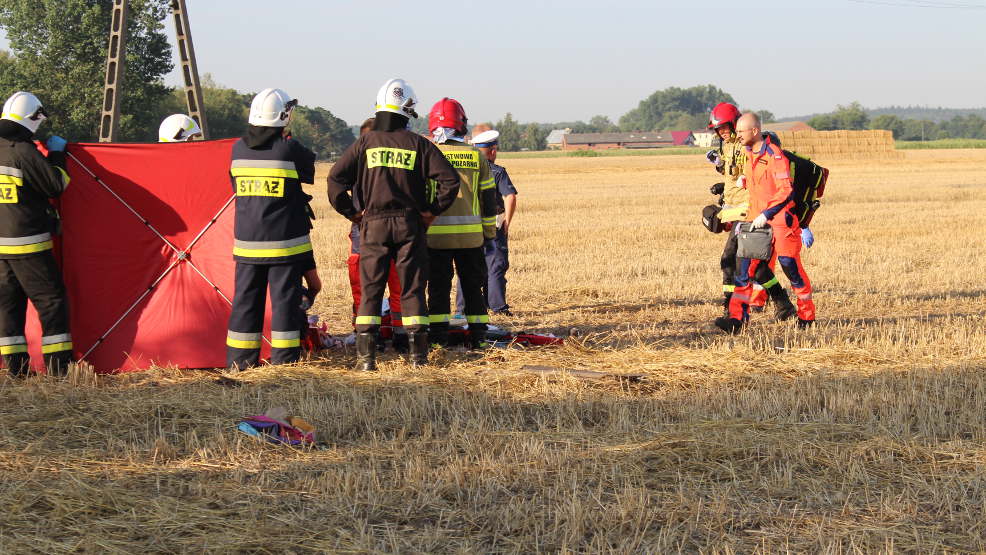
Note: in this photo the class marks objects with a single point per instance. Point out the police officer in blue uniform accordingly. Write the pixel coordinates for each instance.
(496, 250)
(272, 247)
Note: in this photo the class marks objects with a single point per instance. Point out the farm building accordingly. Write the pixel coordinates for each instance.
(704, 138)
(556, 138)
(606, 141)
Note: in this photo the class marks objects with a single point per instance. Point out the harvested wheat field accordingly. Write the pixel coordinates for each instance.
(866, 433)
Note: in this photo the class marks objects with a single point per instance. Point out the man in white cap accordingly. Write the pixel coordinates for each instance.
(496, 250)
(178, 128)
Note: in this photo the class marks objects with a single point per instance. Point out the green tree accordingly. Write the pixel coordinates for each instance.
(919, 130)
(321, 131)
(534, 137)
(851, 117)
(889, 122)
(662, 108)
(511, 135)
(59, 53)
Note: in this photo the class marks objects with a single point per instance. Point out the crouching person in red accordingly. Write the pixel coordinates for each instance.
(768, 179)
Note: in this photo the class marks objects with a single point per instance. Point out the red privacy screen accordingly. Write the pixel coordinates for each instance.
(146, 252)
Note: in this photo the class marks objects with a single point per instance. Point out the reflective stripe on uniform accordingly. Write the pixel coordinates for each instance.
(439, 318)
(728, 288)
(488, 184)
(285, 339)
(415, 320)
(478, 319)
(741, 297)
(25, 245)
(272, 249)
(243, 340)
(263, 168)
(449, 229)
(368, 320)
(804, 296)
(770, 283)
(13, 349)
(455, 220)
(66, 179)
(56, 343)
(56, 348)
(14, 175)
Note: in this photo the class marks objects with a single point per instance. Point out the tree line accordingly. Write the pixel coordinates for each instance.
(58, 51)
(854, 116)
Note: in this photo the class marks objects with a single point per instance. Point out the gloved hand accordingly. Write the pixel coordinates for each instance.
(760, 221)
(56, 144)
(714, 157)
(807, 237)
(717, 189)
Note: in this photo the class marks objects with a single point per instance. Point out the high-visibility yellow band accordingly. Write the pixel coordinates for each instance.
(387, 157)
(66, 179)
(12, 349)
(270, 253)
(448, 229)
(368, 320)
(12, 116)
(478, 319)
(486, 185)
(285, 343)
(56, 347)
(12, 180)
(25, 249)
(415, 320)
(770, 283)
(439, 318)
(263, 172)
(728, 288)
(240, 344)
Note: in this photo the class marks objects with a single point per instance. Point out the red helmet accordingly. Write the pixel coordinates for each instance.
(722, 114)
(447, 112)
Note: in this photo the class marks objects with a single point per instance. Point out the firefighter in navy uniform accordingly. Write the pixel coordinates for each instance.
(387, 170)
(27, 265)
(271, 243)
(456, 238)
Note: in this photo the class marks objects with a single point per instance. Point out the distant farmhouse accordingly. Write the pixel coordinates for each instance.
(556, 138)
(607, 141)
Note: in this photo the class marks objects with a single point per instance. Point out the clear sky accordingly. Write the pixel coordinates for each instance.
(548, 60)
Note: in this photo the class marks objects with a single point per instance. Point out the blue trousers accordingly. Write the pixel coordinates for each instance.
(497, 263)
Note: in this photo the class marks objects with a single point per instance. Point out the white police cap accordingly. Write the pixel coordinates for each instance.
(486, 138)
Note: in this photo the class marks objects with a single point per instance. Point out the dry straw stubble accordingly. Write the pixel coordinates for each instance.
(863, 434)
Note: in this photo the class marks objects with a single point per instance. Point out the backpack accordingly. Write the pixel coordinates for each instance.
(808, 182)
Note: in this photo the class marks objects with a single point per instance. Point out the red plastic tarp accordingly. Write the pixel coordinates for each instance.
(110, 257)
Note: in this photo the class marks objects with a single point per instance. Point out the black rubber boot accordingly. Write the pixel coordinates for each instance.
(805, 324)
(366, 352)
(418, 348)
(400, 342)
(731, 326)
(58, 365)
(725, 304)
(477, 339)
(784, 309)
(438, 335)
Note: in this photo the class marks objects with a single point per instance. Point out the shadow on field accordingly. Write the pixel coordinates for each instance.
(884, 320)
(967, 294)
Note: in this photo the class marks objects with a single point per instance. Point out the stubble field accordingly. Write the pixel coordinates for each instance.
(866, 433)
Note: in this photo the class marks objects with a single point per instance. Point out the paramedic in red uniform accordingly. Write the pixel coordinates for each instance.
(768, 179)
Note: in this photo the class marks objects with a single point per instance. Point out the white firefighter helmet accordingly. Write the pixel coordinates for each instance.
(25, 109)
(397, 97)
(271, 108)
(178, 128)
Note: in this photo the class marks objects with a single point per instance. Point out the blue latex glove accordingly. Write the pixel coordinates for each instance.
(807, 237)
(56, 144)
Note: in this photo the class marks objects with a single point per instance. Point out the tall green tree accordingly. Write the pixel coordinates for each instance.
(534, 137)
(889, 122)
(663, 108)
(511, 135)
(852, 117)
(59, 53)
(321, 131)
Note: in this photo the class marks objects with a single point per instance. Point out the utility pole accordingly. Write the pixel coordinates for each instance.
(116, 62)
(116, 59)
(189, 68)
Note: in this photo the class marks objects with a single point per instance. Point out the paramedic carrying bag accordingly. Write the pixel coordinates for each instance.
(756, 244)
